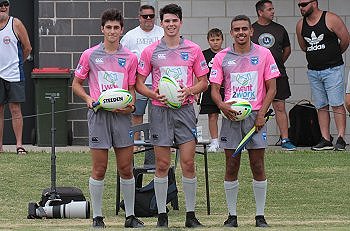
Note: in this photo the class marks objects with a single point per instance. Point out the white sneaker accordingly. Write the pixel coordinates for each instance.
(213, 147)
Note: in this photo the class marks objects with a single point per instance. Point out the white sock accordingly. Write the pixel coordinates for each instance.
(161, 191)
(127, 187)
(231, 191)
(96, 192)
(190, 188)
(260, 189)
(214, 141)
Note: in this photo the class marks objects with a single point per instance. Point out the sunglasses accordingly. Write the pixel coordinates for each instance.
(5, 4)
(303, 4)
(146, 16)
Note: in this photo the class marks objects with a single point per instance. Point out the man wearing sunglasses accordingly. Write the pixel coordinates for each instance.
(136, 40)
(323, 36)
(14, 50)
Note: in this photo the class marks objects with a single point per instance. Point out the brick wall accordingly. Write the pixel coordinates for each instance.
(66, 29)
(69, 27)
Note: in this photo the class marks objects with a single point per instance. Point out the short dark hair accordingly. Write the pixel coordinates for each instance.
(112, 15)
(215, 32)
(241, 17)
(260, 5)
(146, 7)
(171, 9)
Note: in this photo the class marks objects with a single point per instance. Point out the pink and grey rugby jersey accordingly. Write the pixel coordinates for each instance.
(244, 76)
(105, 71)
(182, 63)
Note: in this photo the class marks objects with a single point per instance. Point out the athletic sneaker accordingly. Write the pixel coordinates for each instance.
(260, 221)
(97, 222)
(340, 145)
(133, 222)
(287, 145)
(231, 221)
(162, 220)
(323, 145)
(192, 221)
(214, 147)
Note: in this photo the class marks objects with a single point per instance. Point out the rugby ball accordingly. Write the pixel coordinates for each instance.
(241, 106)
(169, 87)
(112, 99)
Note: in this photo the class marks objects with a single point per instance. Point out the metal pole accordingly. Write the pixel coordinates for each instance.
(53, 153)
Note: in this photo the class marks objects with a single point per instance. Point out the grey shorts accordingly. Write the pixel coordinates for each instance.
(12, 92)
(232, 132)
(170, 126)
(108, 129)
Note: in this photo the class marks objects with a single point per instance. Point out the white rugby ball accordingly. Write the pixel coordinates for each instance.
(241, 106)
(112, 99)
(169, 87)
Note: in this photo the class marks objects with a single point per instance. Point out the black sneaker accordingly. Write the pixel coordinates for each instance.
(260, 221)
(323, 145)
(192, 221)
(133, 222)
(340, 145)
(231, 221)
(97, 222)
(162, 220)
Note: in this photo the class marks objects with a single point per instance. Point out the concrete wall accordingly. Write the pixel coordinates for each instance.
(69, 27)
(199, 16)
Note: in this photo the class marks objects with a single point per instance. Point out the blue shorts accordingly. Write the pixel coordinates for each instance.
(141, 103)
(327, 86)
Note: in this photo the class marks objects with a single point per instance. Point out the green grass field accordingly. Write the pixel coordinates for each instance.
(306, 191)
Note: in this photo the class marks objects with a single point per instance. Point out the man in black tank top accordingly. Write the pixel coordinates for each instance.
(324, 37)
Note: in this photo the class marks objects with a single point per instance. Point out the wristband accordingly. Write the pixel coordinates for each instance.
(133, 108)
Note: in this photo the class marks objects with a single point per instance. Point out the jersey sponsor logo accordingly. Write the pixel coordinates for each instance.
(177, 72)
(254, 60)
(161, 56)
(109, 79)
(213, 73)
(98, 60)
(79, 68)
(203, 65)
(244, 85)
(274, 68)
(121, 62)
(231, 62)
(184, 55)
(266, 40)
(6, 40)
(141, 64)
(314, 42)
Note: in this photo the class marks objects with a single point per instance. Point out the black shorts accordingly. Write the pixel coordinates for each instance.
(283, 89)
(207, 104)
(12, 92)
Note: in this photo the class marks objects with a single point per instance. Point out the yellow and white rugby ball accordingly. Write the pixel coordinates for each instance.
(112, 99)
(169, 87)
(241, 106)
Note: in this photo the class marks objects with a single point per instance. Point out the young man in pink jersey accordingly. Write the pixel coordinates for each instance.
(182, 59)
(105, 66)
(248, 71)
